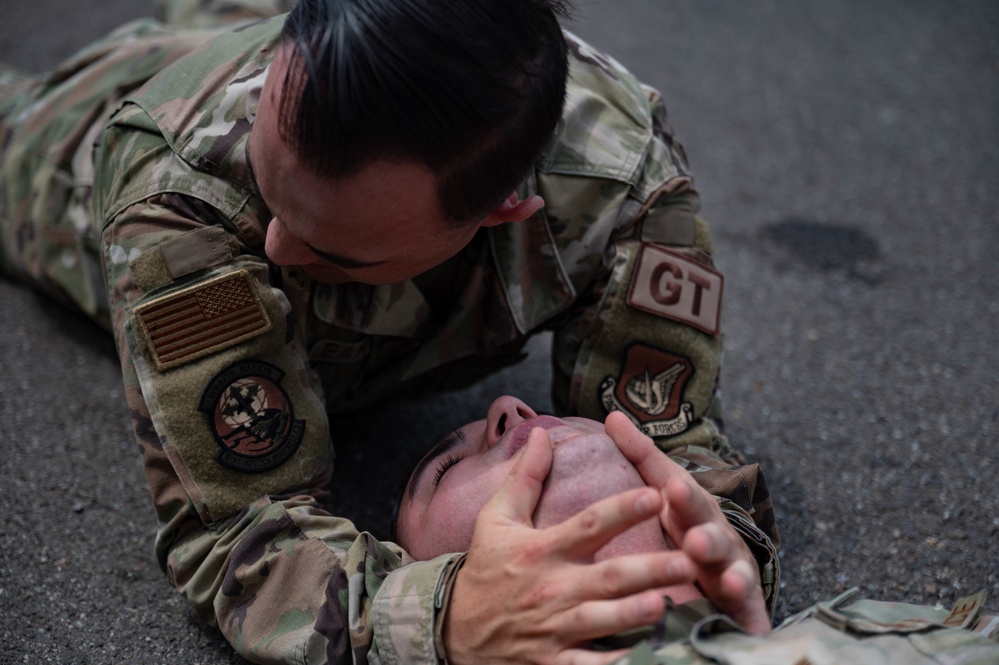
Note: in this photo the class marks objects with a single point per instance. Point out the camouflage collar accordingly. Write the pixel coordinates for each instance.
(399, 310)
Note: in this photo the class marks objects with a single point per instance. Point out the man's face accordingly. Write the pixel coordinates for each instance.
(461, 474)
(382, 225)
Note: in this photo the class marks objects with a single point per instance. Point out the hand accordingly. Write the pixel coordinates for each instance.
(726, 570)
(526, 595)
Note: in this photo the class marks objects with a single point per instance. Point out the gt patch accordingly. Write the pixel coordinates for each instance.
(965, 611)
(649, 390)
(251, 417)
(202, 319)
(673, 286)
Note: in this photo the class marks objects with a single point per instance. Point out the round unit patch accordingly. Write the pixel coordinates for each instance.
(251, 417)
(649, 390)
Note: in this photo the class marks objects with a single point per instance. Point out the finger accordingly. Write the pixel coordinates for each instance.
(587, 531)
(734, 582)
(601, 618)
(755, 620)
(518, 496)
(652, 464)
(687, 506)
(739, 582)
(627, 574)
(735, 589)
(713, 543)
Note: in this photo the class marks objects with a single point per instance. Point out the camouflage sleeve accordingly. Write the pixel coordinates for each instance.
(643, 336)
(234, 436)
(743, 496)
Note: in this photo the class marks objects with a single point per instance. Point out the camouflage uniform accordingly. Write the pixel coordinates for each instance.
(864, 632)
(135, 201)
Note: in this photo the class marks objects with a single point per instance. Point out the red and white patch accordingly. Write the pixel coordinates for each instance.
(673, 286)
(650, 390)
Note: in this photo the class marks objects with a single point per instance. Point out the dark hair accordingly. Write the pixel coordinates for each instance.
(472, 89)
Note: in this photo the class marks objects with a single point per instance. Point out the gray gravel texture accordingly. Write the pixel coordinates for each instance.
(847, 156)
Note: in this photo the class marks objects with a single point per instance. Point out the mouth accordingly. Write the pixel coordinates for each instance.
(519, 434)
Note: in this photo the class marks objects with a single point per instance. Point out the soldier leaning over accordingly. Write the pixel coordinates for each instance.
(299, 215)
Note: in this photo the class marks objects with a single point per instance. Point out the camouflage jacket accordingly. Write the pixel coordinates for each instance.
(231, 364)
(842, 630)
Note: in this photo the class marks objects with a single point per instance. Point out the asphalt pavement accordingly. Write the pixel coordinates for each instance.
(848, 157)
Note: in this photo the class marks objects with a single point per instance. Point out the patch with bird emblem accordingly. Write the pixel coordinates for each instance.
(251, 417)
(649, 390)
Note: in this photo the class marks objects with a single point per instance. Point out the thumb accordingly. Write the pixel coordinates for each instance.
(518, 496)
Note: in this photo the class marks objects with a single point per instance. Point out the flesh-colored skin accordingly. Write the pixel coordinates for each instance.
(537, 595)
(385, 220)
(586, 467)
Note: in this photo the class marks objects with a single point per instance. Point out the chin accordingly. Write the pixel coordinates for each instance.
(584, 470)
(325, 275)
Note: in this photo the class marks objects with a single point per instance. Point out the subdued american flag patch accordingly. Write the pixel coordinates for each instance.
(201, 319)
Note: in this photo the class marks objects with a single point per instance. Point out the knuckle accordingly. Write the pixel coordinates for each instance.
(674, 569)
(535, 550)
(543, 594)
(715, 539)
(610, 581)
(589, 521)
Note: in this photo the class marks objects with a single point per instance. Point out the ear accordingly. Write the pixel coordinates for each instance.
(514, 210)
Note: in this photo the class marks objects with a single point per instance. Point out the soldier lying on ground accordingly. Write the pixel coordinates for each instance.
(297, 216)
(519, 470)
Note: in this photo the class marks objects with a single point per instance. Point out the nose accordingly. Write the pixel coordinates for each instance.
(505, 413)
(284, 249)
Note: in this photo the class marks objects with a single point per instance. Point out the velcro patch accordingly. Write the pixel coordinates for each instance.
(672, 286)
(201, 319)
(251, 417)
(650, 390)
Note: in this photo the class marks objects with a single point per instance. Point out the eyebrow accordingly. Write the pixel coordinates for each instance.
(341, 260)
(442, 447)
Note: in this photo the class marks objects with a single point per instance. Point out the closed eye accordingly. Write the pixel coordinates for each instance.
(443, 448)
(445, 464)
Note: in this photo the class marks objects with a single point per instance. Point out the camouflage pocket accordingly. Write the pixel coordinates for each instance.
(873, 617)
(867, 632)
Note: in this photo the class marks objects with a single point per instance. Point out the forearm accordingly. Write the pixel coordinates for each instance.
(660, 365)
(648, 309)
(283, 577)
(243, 535)
(285, 581)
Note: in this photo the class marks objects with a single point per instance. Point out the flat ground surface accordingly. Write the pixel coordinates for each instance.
(847, 156)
